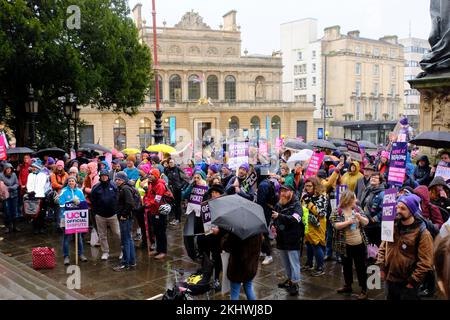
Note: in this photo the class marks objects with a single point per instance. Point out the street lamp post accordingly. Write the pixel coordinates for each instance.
(32, 108)
(68, 115)
(158, 113)
(75, 118)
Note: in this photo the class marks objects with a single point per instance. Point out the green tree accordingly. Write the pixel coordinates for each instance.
(102, 63)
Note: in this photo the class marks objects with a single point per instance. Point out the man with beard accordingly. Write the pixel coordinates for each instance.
(116, 168)
(372, 205)
(287, 216)
(364, 182)
(237, 185)
(405, 262)
(227, 175)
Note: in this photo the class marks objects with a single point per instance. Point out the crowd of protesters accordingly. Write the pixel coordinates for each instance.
(135, 196)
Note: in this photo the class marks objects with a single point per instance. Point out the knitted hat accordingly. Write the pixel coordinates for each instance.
(214, 168)
(245, 166)
(60, 163)
(72, 178)
(155, 173)
(51, 161)
(201, 174)
(84, 166)
(104, 172)
(385, 154)
(115, 161)
(226, 165)
(412, 202)
(288, 186)
(131, 157)
(146, 167)
(122, 176)
(120, 155)
(74, 170)
(437, 181)
(404, 121)
(37, 164)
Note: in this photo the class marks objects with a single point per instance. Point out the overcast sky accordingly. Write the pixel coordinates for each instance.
(260, 19)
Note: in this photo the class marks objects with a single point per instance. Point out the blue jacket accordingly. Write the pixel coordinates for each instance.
(104, 197)
(132, 174)
(67, 195)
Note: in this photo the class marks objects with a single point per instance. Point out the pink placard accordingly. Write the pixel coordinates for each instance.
(3, 154)
(314, 164)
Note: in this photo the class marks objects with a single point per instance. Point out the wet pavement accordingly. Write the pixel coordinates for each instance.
(152, 277)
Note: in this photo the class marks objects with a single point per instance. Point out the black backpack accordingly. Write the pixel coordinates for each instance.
(427, 224)
(137, 201)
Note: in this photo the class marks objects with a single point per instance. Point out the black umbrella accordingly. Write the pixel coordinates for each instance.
(339, 143)
(51, 152)
(238, 215)
(323, 144)
(367, 144)
(296, 145)
(93, 146)
(19, 150)
(433, 139)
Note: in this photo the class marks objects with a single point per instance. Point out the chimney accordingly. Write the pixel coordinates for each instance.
(353, 34)
(390, 39)
(229, 21)
(332, 33)
(137, 15)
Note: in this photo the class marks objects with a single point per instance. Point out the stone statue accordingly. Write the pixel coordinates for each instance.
(438, 59)
(259, 90)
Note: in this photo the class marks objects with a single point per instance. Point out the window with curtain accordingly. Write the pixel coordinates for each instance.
(120, 134)
(194, 87)
(230, 88)
(212, 87)
(175, 88)
(145, 133)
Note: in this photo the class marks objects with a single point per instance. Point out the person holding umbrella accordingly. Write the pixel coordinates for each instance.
(287, 217)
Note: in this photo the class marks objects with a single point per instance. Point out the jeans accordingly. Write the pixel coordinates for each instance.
(10, 210)
(66, 238)
(317, 252)
(129, 256)
(102, 225)
(329, 248)
(236, 289)
(159, 224)
(358, 255)
(291, 263)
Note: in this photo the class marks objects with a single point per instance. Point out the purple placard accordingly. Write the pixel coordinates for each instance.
(353, 149)
(206, 217)
(340, 188)
(397, 164)
(389, 213)
(197, 193)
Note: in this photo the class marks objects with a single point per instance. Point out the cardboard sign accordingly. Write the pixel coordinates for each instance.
(397, 165)
(443, 170)
(206, 217)
(340, 188)
(314, 164)
(195, 199)
(250, 181)
(353, 150)
(76, 218)
(189, 171)
(389, 213)
(238, 154)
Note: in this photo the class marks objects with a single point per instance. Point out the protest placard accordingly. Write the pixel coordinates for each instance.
(3, 146)
(314, 164)
(76, 217)
(389, 213)
(340, 188)
(353, 150)
(195, 199)
(206, 217)
(397, 164)
(250, 181)
(238, 154)
(443, 170)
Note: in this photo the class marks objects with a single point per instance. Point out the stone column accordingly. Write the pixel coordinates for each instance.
(434, 101)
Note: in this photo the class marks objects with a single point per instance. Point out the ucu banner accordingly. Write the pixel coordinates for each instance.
(76, 218)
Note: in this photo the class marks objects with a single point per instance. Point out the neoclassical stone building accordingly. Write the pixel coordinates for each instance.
(205, 83)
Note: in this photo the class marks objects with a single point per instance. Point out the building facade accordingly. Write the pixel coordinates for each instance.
(414, 49)
(207, 88)
(362, 81)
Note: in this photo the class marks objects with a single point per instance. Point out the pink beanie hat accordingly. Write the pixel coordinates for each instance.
(146, 167)
(60, 163)
(385, 154)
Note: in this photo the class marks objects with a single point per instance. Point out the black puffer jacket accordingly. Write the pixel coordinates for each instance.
(422, 174)
(126, 202)
(289, 225)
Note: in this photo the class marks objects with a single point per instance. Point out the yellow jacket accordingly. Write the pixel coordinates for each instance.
(351, 178)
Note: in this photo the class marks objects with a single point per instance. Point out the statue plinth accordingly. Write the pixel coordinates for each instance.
(434, 101)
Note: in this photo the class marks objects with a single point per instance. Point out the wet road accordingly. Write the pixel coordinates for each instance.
(152, 277)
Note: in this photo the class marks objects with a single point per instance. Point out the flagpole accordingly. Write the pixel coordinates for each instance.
(158, 132)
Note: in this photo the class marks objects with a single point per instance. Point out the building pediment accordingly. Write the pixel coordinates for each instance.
(192, 20)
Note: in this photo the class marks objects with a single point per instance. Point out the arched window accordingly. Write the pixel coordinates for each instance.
(145, 133)
(120, 134)
(175, 88)
(152, 93)
(233, 123)
(259, 88)
(255, 126)
(230, 88)
(212, 87)
(276, 126)
(194, 87)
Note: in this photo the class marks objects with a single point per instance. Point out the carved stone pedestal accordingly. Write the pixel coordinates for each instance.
(434, 101)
